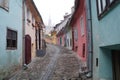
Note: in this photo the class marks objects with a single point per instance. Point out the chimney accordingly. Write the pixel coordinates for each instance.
(66, 15)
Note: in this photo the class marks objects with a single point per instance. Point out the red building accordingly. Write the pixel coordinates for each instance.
(79, 31)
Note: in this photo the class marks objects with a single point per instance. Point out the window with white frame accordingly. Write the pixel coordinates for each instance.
(104, 5)
(75, 34)
(82, 26)
(4, 4)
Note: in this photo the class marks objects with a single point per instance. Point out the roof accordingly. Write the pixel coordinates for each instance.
(35, 10)
(76, 4)
(63, 25)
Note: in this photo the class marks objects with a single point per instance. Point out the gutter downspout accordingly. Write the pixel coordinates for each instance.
(90, 37)
(23, 33)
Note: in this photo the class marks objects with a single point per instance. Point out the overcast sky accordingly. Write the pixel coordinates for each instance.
(53, 9)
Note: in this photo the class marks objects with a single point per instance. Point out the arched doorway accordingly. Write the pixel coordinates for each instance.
(27, 49)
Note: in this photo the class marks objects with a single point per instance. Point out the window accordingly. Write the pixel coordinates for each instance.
(28, 16)
(11, 39)
(103, 6)
(4, 4)
(83, 51)
(76, 34)
(28, 13)
(82, 25)
(33, 22)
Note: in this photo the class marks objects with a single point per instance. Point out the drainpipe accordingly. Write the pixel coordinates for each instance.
(23, 33)
(89, 37)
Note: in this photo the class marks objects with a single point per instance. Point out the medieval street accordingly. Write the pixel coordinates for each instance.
(58, 64)
(60, 40)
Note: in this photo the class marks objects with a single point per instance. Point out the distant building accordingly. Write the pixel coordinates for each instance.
(53, 36)
(61, 36)
(68, 34)
(48, 39)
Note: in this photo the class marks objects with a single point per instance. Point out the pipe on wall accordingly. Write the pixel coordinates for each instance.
(89, 37)
(23, 32)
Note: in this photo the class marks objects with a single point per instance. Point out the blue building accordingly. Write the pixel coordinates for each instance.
(10, 36)
(106, 39)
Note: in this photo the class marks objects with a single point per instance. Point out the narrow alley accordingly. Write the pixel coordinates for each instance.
(59, 40)
(58, 64)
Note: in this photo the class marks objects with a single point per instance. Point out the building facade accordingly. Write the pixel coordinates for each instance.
(33, 30)
(61, 38)
(68, 40)
(10, 36)
(79, 32)
(61, 32)
(53, 36)
(68, 34)
(106, 41)
(21, 34)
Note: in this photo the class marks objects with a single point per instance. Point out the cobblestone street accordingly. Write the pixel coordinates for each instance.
(58, 64)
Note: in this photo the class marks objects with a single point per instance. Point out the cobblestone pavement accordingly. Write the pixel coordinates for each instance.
(58, 64)
(67, 66)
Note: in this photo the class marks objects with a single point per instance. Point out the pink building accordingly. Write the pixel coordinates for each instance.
(79, 32)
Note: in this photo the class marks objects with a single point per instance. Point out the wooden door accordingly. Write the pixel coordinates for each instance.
(27, 49)
(116, 65)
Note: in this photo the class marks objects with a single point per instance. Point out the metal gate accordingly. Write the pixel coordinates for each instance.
(27, 49)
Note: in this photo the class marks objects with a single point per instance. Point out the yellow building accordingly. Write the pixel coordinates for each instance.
(48, 39)
(53, 36)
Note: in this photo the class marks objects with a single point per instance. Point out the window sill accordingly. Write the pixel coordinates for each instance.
(11, 48)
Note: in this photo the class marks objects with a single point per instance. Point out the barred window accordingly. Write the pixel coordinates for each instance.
(11, 39)
(4, 4)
